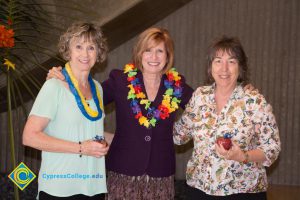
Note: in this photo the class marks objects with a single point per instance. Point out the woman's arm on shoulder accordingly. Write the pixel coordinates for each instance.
(55, 72)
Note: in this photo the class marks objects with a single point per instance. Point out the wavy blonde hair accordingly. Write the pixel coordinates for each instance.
(88, 31)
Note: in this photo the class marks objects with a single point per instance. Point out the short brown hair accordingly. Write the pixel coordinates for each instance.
(155, 35)
(233, 47)
(90, 32)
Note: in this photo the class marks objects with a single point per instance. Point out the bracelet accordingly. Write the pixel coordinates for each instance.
(80, 151)
(246, 160)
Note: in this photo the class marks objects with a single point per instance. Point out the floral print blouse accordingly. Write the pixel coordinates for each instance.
(250, 121)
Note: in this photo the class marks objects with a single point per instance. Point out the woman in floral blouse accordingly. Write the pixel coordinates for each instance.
(224, 108)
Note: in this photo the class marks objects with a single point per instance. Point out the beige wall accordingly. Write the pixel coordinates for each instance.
(270, 33)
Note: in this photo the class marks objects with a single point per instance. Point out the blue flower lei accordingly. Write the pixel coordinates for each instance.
(82, 105)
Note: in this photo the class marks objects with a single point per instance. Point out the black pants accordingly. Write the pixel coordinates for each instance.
(46, 196)
(196, 194)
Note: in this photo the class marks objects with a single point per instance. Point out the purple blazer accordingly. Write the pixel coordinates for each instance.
(136, 150)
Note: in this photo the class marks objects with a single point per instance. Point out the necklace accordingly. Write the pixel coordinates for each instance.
(137, 98)
(80, 100)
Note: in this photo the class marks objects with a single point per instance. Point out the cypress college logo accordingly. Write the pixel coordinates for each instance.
(22, 176)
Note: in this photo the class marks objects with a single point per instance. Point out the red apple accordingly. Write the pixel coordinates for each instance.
(225, 142)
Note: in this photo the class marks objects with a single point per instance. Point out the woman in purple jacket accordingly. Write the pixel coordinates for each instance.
(147, 94)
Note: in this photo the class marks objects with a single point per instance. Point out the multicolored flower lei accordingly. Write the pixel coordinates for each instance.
(81, 103)
(168, 105)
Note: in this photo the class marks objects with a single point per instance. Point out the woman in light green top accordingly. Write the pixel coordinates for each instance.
(67, 119)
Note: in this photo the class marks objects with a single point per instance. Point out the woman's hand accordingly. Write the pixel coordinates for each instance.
(234, 153)
(93, 148)
(55, 72)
